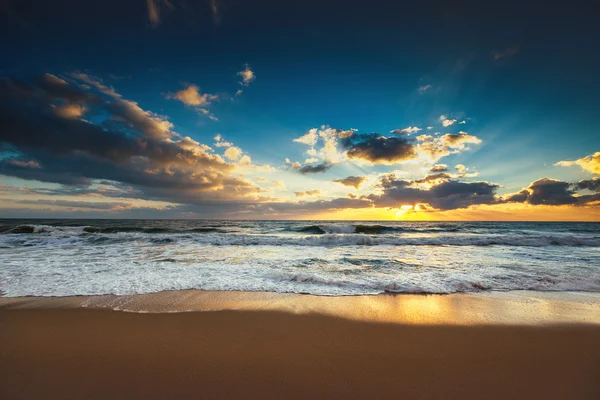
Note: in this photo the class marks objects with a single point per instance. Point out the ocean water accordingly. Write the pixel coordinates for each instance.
(93, 257)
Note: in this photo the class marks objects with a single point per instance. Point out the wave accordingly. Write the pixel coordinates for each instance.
(324, 240)
(76, 230)
(327, 234)
(371, 229)
(440, 240)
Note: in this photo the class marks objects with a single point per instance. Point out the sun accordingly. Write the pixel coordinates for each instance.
(403, 210)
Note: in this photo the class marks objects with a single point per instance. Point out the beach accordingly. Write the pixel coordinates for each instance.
(85, 348)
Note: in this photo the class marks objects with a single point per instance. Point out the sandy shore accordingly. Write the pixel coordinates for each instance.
(95, 353)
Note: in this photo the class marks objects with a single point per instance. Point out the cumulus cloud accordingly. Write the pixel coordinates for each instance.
(69, 110)
(436, 147)
(461, 168)
(124, 143)
(446, 122)
(314, 169)
(308, 193)
(589, 184)
(379, 149)
(437, 191)
(295, 165)
(312, 152)
(552, 192)
(247, 75)
(439, 168)
(191, 96)
(353, 181)
(310, 138)
(341, 145)
(407, 130)
(233, 153)
(219, 142)
(330, 137)
(589, 163)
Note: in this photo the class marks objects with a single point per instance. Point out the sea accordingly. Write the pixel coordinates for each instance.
(330, 258)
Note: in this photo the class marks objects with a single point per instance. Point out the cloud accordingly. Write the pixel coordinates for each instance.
(98, 205)
(215, 9)
(312, 152)
(308, 193)
(124, 143)
(353, 181)
(552, 192)
(589, 163)
(190, 96)
(293, 209)
(435, 148)
(314, 169)
(508, 52)
(423, 89)
(69, 110)
(448, 122)
(247, 75)
(311, 160)
(589, 184)
(408, 130)
(210, 115)
(462, 122)
(219, 142)
(309, 138)
(436, 191)
(439, 168)
(374, 148)
(154, 10)
(233, 153)
(459, 140)
(461, 168)
(378, 149)
(22, 163)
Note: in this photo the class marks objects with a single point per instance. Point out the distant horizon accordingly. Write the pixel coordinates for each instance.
(292, 220)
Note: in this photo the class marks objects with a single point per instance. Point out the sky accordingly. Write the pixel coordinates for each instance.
(431, 110)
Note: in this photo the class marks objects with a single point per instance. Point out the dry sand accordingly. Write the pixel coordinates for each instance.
(77, 353)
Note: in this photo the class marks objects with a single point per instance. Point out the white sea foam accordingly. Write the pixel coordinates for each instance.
(444, 258)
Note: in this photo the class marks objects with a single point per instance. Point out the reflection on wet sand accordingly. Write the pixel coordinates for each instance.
(518, 307)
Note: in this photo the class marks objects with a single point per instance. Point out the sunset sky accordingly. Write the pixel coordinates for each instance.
(299, 110)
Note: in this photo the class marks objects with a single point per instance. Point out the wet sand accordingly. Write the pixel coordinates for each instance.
(94, 353)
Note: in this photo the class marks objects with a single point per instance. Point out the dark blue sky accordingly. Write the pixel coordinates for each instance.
(521, 75)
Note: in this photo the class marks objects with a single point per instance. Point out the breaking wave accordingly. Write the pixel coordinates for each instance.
(87, 257)
(369, 229)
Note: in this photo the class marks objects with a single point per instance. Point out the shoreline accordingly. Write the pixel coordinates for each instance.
(481, 308)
